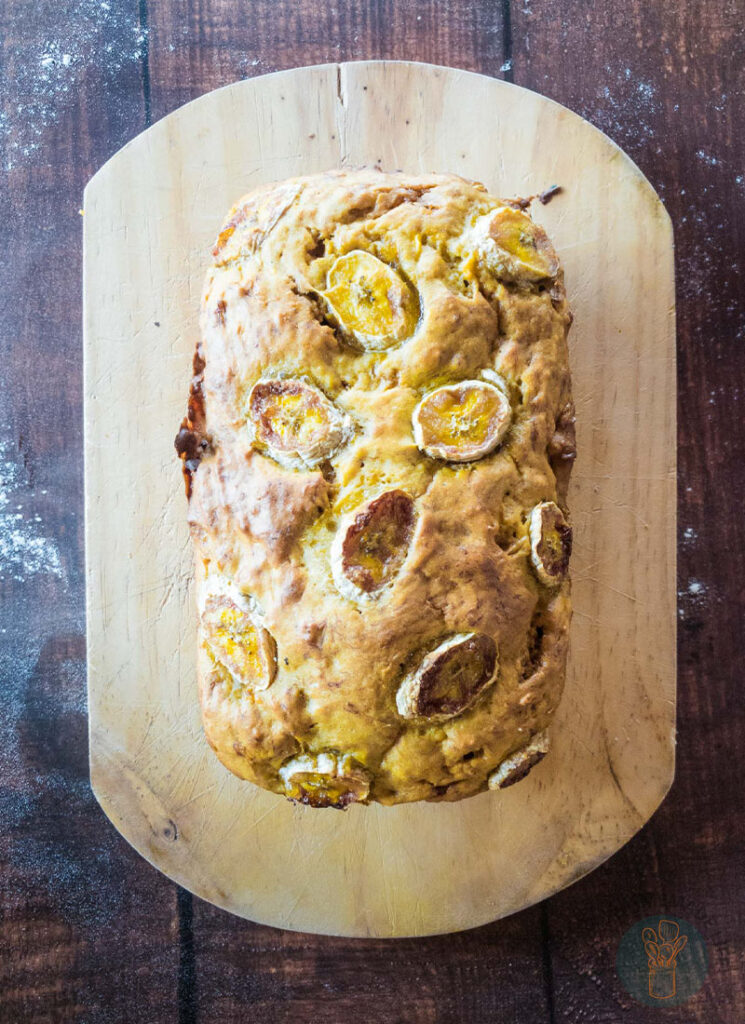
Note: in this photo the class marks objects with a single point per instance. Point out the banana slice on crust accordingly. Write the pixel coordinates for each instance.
(372, 543)
(517, 766)
(295, 423)
(462, 422)
(325, 780)
(450, 678)
(550, 543)
(517, 249)
(237, 642)
(370, 301)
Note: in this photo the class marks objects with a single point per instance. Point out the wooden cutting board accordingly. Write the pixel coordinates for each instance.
(151, 214)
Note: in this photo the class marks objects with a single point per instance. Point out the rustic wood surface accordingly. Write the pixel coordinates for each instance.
(88, 932)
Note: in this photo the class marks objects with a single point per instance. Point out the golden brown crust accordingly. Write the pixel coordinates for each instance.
(449, 556)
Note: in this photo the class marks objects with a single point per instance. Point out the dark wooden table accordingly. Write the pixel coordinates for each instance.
(88, 931)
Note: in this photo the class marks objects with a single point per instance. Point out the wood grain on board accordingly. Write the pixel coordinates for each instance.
(675, 111)
(150, 217)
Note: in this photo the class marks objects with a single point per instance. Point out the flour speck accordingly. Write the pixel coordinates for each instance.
(693, 599)
(707, 157)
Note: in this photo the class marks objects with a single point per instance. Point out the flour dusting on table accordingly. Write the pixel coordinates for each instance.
(24, 550)
(49, 74)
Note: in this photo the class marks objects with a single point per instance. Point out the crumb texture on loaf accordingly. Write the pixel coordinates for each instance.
(378, 445)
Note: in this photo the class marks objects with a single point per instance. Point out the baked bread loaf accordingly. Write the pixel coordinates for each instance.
(377, 449)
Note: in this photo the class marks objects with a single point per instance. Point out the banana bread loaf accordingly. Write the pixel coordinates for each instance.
(377, 449)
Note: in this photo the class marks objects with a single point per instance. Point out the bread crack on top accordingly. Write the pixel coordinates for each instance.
(377, 448)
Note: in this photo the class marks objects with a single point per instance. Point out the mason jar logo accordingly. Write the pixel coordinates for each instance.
(662, 961)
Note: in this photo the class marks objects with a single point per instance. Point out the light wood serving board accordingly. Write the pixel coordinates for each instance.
(151, 214)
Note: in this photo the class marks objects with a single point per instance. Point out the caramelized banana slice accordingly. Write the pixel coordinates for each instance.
(372, 544)
(517, 249)
(239, 644)
(517, 766)
(462, 422)
(295, 422)
(370, 301)
(550, 543)
(325, 780)
(450, 678)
